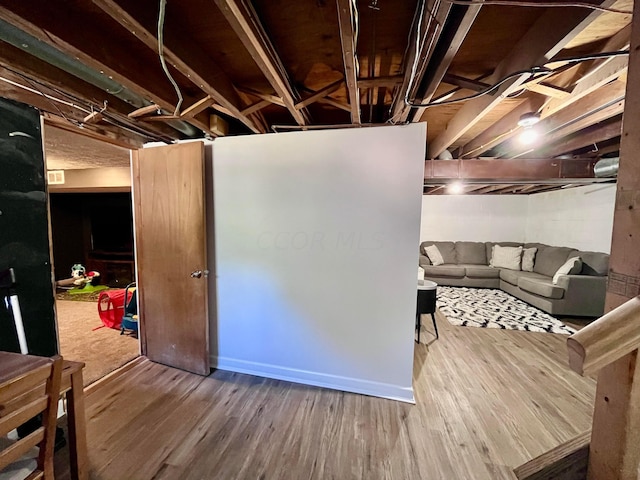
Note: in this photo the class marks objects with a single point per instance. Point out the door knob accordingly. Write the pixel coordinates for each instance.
(196, 274)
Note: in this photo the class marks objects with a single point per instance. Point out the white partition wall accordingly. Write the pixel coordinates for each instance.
(316, 252)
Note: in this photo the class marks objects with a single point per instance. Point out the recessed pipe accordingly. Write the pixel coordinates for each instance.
(52, 56)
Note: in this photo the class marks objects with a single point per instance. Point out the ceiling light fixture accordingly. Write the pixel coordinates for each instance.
(528, 119)
(528, 136)
(455, 188)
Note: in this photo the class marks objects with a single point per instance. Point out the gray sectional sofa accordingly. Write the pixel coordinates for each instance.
(466, 264)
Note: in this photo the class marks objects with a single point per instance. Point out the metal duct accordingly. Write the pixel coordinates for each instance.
(607, 167)
(52, 56)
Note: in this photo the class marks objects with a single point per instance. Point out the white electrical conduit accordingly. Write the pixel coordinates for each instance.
(163, 5)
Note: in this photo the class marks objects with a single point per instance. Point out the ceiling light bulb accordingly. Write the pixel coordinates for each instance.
(455, 188)
(528, 136)
(529, 119)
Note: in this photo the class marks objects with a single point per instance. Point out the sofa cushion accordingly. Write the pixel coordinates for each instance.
(542, 287)
(573, 266)
(489, 247)
(481, 271)
(473, 253)
(528, 258)
(435, 257)
(512, 276)
(443, 271)
(595, 264)
(550, 259)
(506, 257)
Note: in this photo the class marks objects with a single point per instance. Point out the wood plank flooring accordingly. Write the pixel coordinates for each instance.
(487, 401)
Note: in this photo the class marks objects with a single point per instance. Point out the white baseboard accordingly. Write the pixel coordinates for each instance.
(335, 382)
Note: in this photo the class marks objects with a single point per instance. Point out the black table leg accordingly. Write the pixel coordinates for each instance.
(418, 326)
(434, 324)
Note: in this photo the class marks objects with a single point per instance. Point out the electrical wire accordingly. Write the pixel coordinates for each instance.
(540, 69)
(163, 5)
(540, 4)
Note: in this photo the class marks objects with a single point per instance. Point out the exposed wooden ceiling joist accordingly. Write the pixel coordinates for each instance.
(86, 47)
(16, 61)
(347, 20)
(432, 14)
(599, 105)
(455, 31)
(585, 138)
(204, 73)
(323, 92)
(244, 21)
(551, 32)
(503, 128)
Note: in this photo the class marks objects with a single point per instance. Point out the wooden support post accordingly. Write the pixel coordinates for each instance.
(614, 452)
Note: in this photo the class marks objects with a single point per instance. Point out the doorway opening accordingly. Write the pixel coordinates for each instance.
(92, 226)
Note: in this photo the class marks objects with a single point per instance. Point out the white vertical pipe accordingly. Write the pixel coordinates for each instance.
(17, 317)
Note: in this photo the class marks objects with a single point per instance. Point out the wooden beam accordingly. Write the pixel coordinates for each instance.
(548, 36)
(614, 452)
(323, 92)
(389, 81)
(256, 107)
(446, 49)
(85, 46)
(244, 20)
(547, 89)
(585, 138)
(144, 111)
(591, 109)
(202, 72)
(503, 129)
(197, 107)
(97, 132)
(430, 18)
(467, 83)
(335, 103)
(264, 96)
(347, 20)
(529, 169)
(29, 66)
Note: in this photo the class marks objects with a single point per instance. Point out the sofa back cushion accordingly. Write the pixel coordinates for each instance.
(489, 247)
(447, 250)
(472, 253)
(550, 259)
(595, 264)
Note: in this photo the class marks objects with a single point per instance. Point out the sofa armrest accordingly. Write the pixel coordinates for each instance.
(584, 294)
(424, 260)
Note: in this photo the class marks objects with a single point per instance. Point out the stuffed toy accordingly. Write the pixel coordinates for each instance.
(79, 277)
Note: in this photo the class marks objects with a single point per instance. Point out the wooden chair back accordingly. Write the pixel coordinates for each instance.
(21, 399)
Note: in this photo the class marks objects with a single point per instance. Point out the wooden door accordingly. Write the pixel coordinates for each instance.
(169, 205)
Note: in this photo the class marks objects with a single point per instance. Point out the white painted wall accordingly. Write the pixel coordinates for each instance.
(474, 218)
(315, 236)
(580, 217)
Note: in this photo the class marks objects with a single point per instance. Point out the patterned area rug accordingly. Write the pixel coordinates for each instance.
(491, 308)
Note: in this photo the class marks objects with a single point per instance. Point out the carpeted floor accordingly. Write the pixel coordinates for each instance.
(103, 350)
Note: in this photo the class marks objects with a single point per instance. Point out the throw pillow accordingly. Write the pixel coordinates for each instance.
(434, 255)
(573, 266)
(528, 257)
(506, 257)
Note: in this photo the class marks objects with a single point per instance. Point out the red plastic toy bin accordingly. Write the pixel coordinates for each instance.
(111, 307)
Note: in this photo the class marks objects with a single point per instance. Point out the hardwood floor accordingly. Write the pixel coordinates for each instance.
(486, 402)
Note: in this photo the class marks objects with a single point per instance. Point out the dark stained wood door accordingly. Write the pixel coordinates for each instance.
(169, 206)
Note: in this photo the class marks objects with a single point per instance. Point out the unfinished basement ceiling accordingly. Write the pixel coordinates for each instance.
(251, 67)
